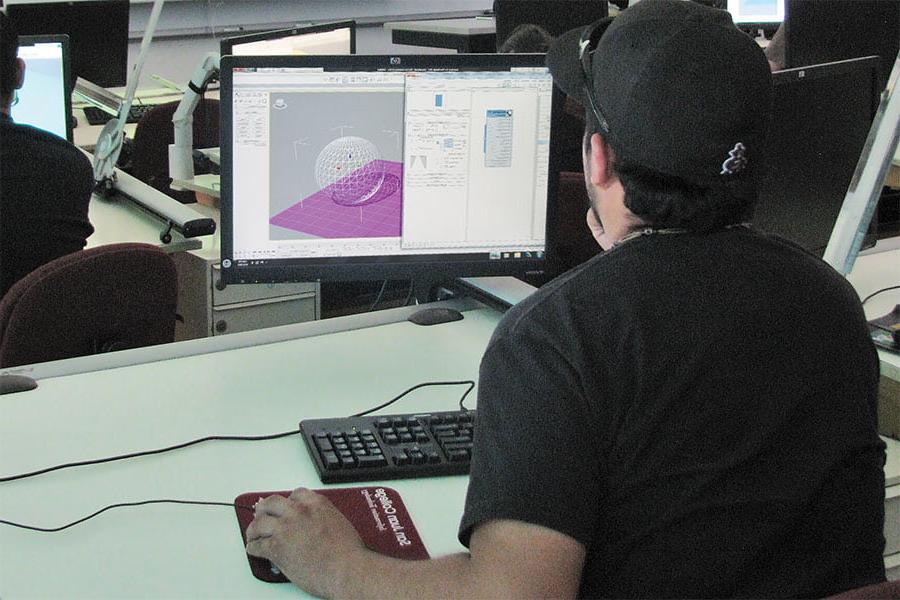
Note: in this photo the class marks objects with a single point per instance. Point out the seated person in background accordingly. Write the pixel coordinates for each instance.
(691, 413)
(45, 182)
(527, 37)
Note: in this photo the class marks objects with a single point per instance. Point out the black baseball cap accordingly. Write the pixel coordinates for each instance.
(675, 87)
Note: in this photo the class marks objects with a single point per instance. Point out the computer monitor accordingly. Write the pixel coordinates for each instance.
(756, 14)
(385, 167)
(44, 98)
(97, 30)
(822, 115)
(820, 31)
(555, 16)
(335, 38)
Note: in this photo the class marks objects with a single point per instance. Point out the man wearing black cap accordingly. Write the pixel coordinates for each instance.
(690, 414)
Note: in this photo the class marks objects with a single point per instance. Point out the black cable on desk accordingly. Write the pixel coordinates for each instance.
(98, 461)
(873, 294)
(120, 505)
(468, 382)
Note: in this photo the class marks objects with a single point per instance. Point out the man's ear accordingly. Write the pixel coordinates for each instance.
(20, 73)
(599, 161)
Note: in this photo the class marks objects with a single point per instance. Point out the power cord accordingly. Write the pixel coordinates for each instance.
(98, 461)
(873, 294)
(121, 505)
(467, 382)
(379, 296)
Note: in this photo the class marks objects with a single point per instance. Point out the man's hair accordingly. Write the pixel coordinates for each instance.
(666, 201)
(9, 48)
(527, 37)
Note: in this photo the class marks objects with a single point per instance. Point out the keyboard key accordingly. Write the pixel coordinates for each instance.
(371, 461)
(457, 455)
(331, 461)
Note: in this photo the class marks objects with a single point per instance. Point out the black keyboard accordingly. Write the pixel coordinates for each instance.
(390, 446)
(98, 116)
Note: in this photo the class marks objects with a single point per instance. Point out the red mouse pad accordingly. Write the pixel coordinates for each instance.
(377, 513)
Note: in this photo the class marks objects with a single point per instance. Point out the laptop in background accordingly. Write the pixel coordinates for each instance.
(44, 99)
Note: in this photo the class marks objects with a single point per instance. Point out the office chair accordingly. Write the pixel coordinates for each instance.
(101, 299)
(886, 590)
(154, 133)
(571, 242)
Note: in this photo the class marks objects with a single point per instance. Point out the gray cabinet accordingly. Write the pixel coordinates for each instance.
(209, 308)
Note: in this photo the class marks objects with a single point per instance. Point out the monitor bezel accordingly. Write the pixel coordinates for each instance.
(227, 44)
(829, 69)
(30, 40)
(801, 75)
(375, 268)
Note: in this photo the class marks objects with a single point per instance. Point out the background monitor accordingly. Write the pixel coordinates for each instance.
(375, 167)
(45, 98)
(97, 30)
(755, 14)
(555, 16)
(821, 119)
(336, 38)
(820, 31)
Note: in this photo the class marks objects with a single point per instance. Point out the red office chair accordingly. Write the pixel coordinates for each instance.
(887, 590)
(96, 300)
(154, 133)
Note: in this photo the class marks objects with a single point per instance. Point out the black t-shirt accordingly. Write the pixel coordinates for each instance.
(45, 189)
(699, 411)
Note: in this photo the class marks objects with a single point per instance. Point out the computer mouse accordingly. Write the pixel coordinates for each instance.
(435, 316)
(10, 384)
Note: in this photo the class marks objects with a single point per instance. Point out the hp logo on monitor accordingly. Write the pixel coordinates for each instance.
(395, 60)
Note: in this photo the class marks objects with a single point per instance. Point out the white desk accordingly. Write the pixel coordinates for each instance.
(250, 383)
(196, 552)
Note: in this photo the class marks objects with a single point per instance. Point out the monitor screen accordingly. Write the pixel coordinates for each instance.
(377, 167)
(756, 12)
(821, 118)
(97, 30)
(324, 39)
(817, 32)
(44, 99)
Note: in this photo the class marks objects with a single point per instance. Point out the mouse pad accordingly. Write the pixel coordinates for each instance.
(377, 513)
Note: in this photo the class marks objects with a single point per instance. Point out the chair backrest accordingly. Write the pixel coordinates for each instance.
(886, 590)
(96, 300)
(571, 242)
(154, 133)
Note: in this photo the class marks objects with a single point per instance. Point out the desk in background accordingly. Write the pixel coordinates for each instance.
(207, 308)
(473, 34)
